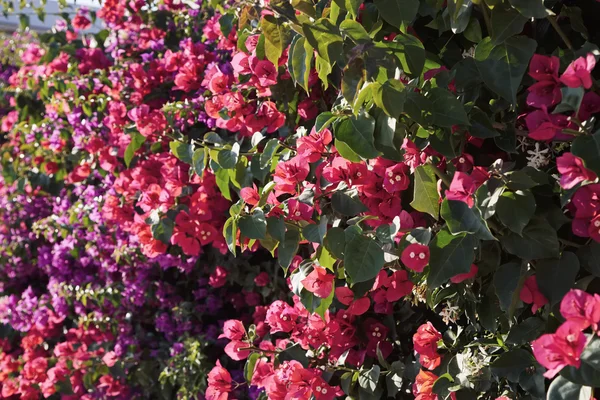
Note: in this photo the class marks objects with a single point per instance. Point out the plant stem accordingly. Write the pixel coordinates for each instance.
(560, 32)
(442, 175)
(486, 17)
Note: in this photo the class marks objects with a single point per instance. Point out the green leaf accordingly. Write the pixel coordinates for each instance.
(288, 248)
(163, 230)
(587, 147)
(347, 204)
(462, 219)
(473, 31)
(324, 304)
(562, 389)
(363, 258)
(390, 97)
(419, 108)
(324, 120)
(199, 160)
(357, 133)
(459, 12)
(222, 179)
(589, 371)
(276, 228)
(506, 22)
(481, 126)
(300, 61)
(346, 152)
(512, 363)
(571, 100)
(502, 66)
(228, 158)
(515, 209)
(556, 277)
(325, 38)
(249, 366)
(410, 52)
(226, 24)
(385, 136)
(395, 12)
(368, 379)
(507, 280)
(426, 197)
(526, 331)
(590, 258)
(230, 234)
(538, 241)
(254, 226)
(268, 152)
(355, 31)
(315, 232)
(335, 242)
(450, 255)
(182, 151)
(530, 8)
(137, 140)
(446, 109)
(277, 37)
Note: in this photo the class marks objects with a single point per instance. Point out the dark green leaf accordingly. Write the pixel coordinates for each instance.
(538, 241)
(506, 22)
(357, 133)
(587, 147)
(446, 109)
(163, 230)
(228, 158)
(390, 97)
(510, 364)
(506, 283)
(450, 255)
(526, 331)
(230, 234)
(335, 242)
(562, 389)
(199, 160)
(590, 258)
(462, 219)
(182, 151)
(268, 152)
(325, 38)
(136, 142)
(324, 120)
(368, 378)
(502, 66)
(253, 226)
(530, 8)
(556, 277)
(300, 61)
(395, 12)
(515, 209)
(571, 100)
(363, 258)
(459, 12)
(276, 228)
(347, 204)
(481, 126)
(288, 248)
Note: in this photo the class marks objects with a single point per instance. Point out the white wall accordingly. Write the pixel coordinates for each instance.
(12, 22)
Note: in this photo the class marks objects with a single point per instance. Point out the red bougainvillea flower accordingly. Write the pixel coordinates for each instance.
(530, 294)
(345, 295)
(546, 127)
(319, 282)
(233, 329)
(463, 277)
(288, 175)
(462, 188)
(218, 278)
(423, 386)
(544, 68)
(323, 391)
(314, 145)
(557, 350)
(425, 342)
(396, 178)
(544, 94)
(590, 105)
(578, 73)
(581, 308)
(262, 279)
(219, 383)
(415, 257)
(399, 286)
(572, 171)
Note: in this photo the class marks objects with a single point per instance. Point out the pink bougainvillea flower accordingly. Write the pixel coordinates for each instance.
(266, 73)
(289, 174)
(250, 195)
(396, 178)
(573, 171)
(234, 349)
(307, 109)
(426, 339)
(578, 73)
(314, 145)
(218, 278)
(546, 127)
(281, 317)
(544, 68)
(262, 279)
(556, 351)
(398, 286)
(319, 282)
(530, 294)
(544, 94)
(298, 211)
(463, 277)
(415, 257)
(345, 295)
(581, 308)
(110, 358)
(462, 188)
(233, 329)
(219, 383)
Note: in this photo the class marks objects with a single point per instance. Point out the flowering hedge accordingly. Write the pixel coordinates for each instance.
(295, 200)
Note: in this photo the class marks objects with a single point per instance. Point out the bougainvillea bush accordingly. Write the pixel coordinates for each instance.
(307, 199)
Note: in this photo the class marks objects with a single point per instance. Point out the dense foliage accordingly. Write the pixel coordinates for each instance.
(305, 199)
